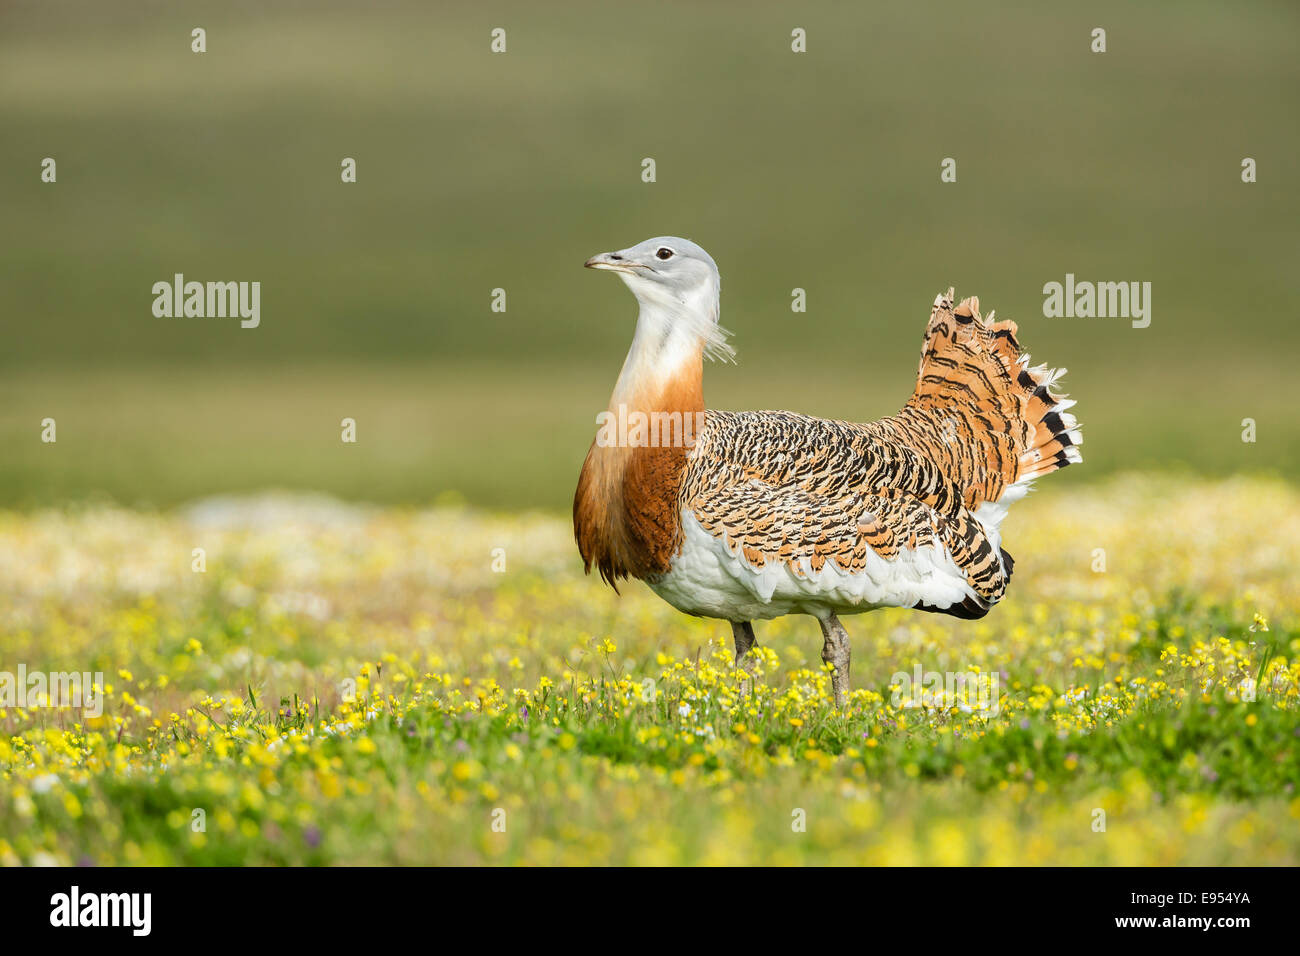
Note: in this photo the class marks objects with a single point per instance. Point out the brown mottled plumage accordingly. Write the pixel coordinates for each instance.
(785, 487)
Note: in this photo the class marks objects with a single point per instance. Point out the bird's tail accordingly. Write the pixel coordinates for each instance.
(999, 423)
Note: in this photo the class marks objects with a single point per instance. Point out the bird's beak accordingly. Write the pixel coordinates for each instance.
(613, 262)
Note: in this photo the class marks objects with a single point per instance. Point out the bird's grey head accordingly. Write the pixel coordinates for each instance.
(673, 279)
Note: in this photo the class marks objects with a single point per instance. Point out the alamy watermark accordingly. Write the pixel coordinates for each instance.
(1086, 300)
(208, 300)
(133, 911)
(634, 428)
(54, 689)
(972, 692)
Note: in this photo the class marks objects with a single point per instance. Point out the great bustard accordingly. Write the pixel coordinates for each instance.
(753, 515)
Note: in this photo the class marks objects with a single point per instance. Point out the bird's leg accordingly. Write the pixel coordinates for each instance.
(835, 651)
(743, 634)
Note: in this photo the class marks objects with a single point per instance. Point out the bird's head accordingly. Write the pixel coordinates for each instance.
(676, 283)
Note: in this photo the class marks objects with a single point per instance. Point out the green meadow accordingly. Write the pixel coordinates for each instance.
(357, 685)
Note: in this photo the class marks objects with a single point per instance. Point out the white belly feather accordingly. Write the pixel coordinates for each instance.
(707, 579)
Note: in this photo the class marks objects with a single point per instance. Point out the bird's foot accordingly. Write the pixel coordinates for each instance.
(743, 633)
(836, 652)
(840, 684)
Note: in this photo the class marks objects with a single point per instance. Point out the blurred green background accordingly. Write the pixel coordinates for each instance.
(479, 170)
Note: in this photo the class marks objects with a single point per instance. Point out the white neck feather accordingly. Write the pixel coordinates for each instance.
(669, 333)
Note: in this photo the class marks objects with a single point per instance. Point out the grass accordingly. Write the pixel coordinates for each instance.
(352, 684)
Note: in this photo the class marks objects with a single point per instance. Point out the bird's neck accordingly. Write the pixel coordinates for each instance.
(664, 368)
(626, 510)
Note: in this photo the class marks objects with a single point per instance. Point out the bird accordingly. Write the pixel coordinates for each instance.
(753, 515)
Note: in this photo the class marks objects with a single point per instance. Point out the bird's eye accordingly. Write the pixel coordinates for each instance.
(664, 253)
